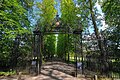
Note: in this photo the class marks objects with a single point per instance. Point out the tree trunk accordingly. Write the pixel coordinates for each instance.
(100, 44)
(68, 49)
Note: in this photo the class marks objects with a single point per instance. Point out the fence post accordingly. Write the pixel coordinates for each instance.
(95, 77)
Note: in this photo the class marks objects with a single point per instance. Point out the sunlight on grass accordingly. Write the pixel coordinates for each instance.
(7, 73)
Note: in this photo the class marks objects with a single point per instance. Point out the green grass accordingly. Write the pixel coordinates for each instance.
(7, 73)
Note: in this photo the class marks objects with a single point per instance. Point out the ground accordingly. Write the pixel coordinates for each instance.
(52, 71)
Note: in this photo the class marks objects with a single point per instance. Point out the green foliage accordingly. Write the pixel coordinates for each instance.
(13, 21)
(49, 46)
(13, 18)
(112, 12)
(69, 13)
(7, 73)
(61, 46)
(83, 12)
(47, 12)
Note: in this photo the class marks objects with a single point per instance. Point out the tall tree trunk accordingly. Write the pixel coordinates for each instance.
(100, 44)
(68, 48)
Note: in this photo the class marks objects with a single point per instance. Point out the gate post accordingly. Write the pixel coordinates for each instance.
(78, 31)
(37, 50)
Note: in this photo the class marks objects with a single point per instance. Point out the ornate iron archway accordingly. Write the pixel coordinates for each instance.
(57, 29)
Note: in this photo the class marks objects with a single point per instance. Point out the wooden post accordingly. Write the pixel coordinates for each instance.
(95, 77)
(19, 76)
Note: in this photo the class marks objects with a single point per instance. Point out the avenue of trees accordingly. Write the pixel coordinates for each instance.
(17, 21)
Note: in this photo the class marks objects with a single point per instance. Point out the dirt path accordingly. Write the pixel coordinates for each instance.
(53, 71)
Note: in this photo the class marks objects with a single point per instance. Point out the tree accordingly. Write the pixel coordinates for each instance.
(47, 12)
(69, 19)
(112, 14)
(68, 11)
(61, 46)
(49, 46)
(111, 9)
(100, 42)
(13, 21)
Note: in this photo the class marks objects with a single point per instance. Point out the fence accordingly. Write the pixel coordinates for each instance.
(106, 65)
